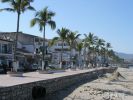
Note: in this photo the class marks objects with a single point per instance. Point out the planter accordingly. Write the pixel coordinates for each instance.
(15, 74)
(44, 72)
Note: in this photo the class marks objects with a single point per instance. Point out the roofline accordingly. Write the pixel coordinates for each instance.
(26, 34)
(6, 40)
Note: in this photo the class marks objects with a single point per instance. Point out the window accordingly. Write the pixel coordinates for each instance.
(4, 48)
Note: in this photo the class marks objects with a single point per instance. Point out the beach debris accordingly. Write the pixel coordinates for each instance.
(116, 76)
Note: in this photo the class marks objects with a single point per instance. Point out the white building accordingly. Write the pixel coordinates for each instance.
(27, 46)
(56, 54)
(29, 50)
(6, 52)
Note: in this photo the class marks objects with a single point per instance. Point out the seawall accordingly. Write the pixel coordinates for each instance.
(36, 89)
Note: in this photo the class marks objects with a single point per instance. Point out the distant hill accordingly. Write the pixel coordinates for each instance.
(125, 56)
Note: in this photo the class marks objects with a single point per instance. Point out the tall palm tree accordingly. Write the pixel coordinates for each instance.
(111, 54)
(99, 44)
(72, 40)
(105, 54)
(102, 53)
(43, 18)
(108, 46)
(18, 6)
(90, 41)
(79, 48)
(62, 37)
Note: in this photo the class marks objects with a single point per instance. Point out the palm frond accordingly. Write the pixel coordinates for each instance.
(7, 9)
(54, 40)
(79, 46)
(4, 1)
(51, 14)
(19, 5)
(31, 8)
(52, 24)
(77, 36)
(37, 13)
(44, 19)
(33, 22)
(28, 8)
(63, 33)
(41, 27)
(85, 35)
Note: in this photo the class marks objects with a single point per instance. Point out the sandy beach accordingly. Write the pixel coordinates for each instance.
(108, 87)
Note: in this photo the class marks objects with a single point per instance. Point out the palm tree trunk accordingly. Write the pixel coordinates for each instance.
(61, 54)
(70, 57)
(79, 59)
(84, 56)
(43, 51)
(98, 57)
(107, 60)
(95, 58)
(89, 59)
(15, 63)
(104, 58)
(16, 38)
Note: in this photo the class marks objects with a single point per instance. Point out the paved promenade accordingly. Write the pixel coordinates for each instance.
(6, 81)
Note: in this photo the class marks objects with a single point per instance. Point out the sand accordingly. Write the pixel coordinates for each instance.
(108, 87)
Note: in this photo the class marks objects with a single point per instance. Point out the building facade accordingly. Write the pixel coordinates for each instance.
(6, 52)
(30, 47)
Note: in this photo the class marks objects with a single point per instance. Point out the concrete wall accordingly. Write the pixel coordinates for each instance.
(40, 88)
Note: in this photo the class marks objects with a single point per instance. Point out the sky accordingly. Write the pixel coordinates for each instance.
(111, 20)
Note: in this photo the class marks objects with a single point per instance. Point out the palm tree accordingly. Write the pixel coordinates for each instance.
(111, 54)
(90, 41)
(72, 40)
(43, 18)
(79, 49)
(102, 53)
(62, 37)
(105, 53)
(99, 44)
(108, 46)
(18, 6)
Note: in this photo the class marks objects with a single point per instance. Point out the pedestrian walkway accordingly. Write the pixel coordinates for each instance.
(6, 81)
